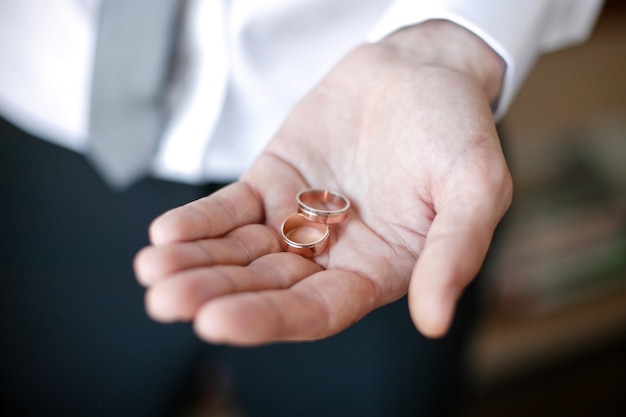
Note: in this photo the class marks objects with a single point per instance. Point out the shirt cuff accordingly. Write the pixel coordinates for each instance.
(518, 30)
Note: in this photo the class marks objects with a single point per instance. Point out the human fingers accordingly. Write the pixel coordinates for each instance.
(211, 216)
(453, 253)
(239, 247)
(316, 307)
(180, 296)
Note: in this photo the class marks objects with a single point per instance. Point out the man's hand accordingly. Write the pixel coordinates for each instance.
(404, 129)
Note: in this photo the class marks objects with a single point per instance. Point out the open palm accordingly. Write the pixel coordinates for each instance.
(414, 148)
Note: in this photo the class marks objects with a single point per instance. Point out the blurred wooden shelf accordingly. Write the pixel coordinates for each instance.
(508, 346)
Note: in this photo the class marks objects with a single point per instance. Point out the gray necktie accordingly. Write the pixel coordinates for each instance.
(133, 52)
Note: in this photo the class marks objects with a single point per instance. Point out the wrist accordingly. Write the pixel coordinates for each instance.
(446, 44)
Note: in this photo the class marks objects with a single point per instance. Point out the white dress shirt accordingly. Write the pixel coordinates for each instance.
(246, 63)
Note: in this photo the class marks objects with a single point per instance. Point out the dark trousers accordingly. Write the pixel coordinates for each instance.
(77, 342)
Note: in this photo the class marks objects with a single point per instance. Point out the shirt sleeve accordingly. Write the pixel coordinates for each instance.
(518, 30)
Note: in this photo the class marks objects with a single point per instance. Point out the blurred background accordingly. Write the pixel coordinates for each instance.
(552, 338)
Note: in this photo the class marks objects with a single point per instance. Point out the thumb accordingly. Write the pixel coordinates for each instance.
(453, 254)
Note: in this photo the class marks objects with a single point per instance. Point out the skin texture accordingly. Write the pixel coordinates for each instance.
(404, 129)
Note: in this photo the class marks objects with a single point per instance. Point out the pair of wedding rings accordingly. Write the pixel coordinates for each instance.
(307, 231)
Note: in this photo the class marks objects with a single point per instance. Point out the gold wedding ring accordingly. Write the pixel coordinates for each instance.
(306, 232)
(304, 237)
(323, 206)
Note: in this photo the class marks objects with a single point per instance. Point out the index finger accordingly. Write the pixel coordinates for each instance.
(212, 216)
